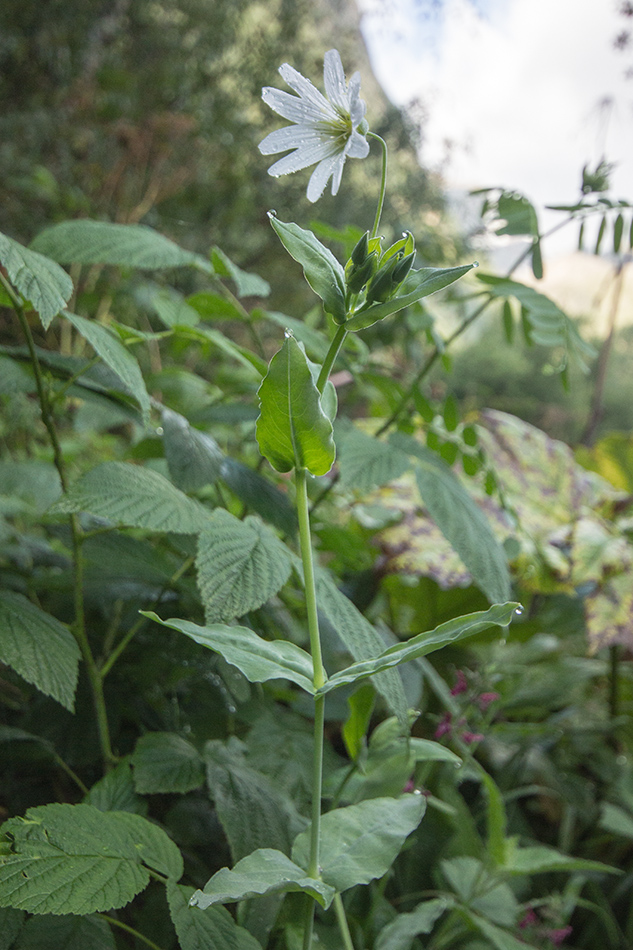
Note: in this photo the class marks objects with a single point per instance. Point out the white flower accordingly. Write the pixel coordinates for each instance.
(326, 130)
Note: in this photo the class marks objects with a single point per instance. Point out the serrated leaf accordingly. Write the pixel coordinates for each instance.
(258, 659)
(40, 280)
(39, 648)
(240, 565)
(361, 639)
(115, 791)
(130, 495)
(70, 859)
(101, 242)
(154, 845)
(263, 872)
(247, 285)
(258, 494)
(400, 933)
(252, 811)
(423, 644)
(108, 346)
(460, 520)
(166, 762)
(202, 930)
(360, 843)
(66, 933)
(366, 463)
(293, 430)
(194, 458)
(322, 270)
(429, 281)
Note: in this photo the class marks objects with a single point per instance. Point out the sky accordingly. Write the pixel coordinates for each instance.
(519, 88)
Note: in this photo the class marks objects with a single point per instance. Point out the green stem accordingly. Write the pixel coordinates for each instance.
(318, 677)
(130, 930)
(79, 626)
(339, 910)
(69, 772)
(332, 353)
(383, 182)
(614, 670)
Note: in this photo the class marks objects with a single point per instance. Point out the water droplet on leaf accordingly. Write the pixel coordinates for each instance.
(519, 610)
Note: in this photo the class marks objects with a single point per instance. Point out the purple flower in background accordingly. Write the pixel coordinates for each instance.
(461, 683)
(445, 726)
(558, 935)
(470, 737)
(485, 699)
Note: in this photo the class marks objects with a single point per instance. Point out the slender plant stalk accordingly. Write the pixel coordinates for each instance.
(78, 628)
(130, 930)
(383, 182)
(339, 910)
(332, 353)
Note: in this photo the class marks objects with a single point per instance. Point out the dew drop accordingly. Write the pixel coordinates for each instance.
(193, 901)
(417, 791)
(287, 333)
(519, 610)
(272, 213)
(159, 430)
(475, 263)
(457, 765)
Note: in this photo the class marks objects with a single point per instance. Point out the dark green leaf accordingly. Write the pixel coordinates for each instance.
(601, 230)
(40, 281)
(258, 659)
(240, 564)
(293, 430)
(322, 271)
(66, 933)
(115, 355)
(115, 791)
(618, 228)
(360, 843)
(154, 845)
(424, 643)
(537, 260)
(101, 242)
(541, 860)
(451, 413)
(212, 929)
(361, 705)
(400, 933)
(263, 872)
(257, 493)
(131, 495)
(166, 762)
(38, 647)
(11, 922)
(508, 321)
(365, 462)
(194, 458)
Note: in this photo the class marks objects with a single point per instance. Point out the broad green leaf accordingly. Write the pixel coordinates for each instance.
(247, 285)
(616, 820)
(34, 482)
(202, 930)
(539, 859)
(115, 791)
(130, 495)
(424, 643)
(240, 565)
(361, 639)
(166, 762)
(322, 270)
(258, 494)
(68, 932)
(365, 462)
(194, 458)
(101, 242)
(40, 280)
(154, 845)
(460, 520)
(429, 281)
(518, 213)
(481, 891)
(11, 922)
(400, 933)
(258, 659)
(496, 819)
(252, 811)
(360, 843)
(361, 704)
(115, 355)
(263, 872)
(293, 430)
(39, 648)
(172, 309)
(72, 859)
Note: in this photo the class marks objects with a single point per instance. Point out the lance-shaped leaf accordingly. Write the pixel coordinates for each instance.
(248, 285)
(39, 280)
(258, 659)
(322, 270)
(115, 355)
(293, 430)
(430, 280)
(360, 843)
(500, 615)
(265, 871)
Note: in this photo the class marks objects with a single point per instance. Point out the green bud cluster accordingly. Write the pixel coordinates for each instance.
(381, 274)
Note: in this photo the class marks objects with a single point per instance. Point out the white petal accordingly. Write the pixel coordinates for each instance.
(336, 177)
(334, 80)
(291, 136)
(306, 90)
(303, 158)
(321, 175)
(291, 107)
(357, 107)
(357, 146)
